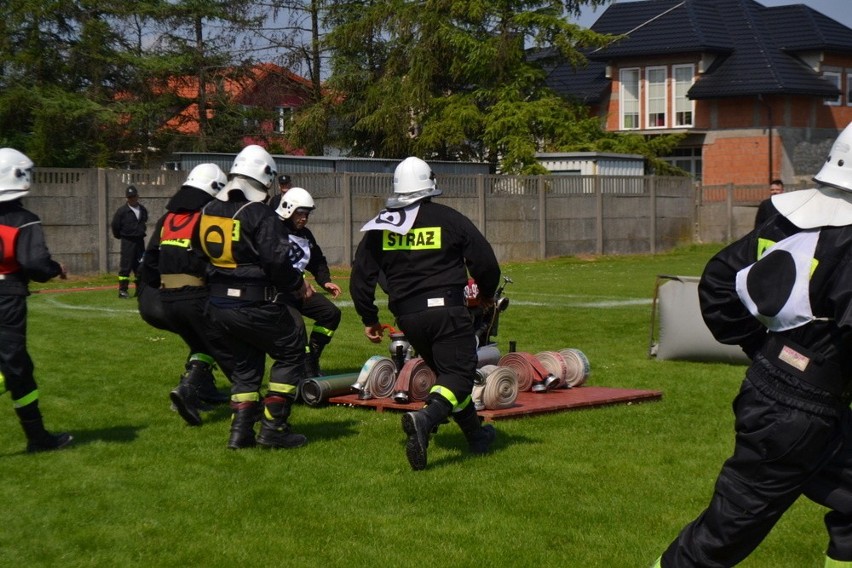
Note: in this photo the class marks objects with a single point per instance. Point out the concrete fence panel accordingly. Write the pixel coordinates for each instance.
(524, 217)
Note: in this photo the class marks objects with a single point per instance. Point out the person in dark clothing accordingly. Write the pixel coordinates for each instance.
(253, 289)
(173, 273)
(284, 185)
(783, 293)
(423, 253)
(24, 257)
(128, 225)
(306, 255)
(765, 210)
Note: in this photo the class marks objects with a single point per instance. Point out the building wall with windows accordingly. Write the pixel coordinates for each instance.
(743, 140)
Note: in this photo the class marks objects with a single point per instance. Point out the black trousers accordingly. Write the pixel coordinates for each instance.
(791, 439)
(15, 362)
(257, 330)
(444, 337)
(187, 318)
(323, 311)
(131, 255)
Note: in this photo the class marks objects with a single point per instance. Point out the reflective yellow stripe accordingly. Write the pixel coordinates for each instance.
(245, 397)
(322, 330)
(25, 400)
(282, 388)
(832, 563)
(204, 357)
(424, 238)
(657, 563)
(182, 243)
(763, 244)
(123, 278)
(463, 404)
(2, 383)
(451, 398)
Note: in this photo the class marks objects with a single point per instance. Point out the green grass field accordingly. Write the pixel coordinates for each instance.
(605, 487)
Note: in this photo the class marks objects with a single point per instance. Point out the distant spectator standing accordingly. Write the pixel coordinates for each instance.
(23, 257)
(284, 185)
(128, 224)
(765, 210)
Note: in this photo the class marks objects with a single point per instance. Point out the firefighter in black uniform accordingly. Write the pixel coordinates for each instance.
(306, 255)
(128, 224)
(251, 283)
(173, 272)
(23, 257)
(784, 294)
(424, 251)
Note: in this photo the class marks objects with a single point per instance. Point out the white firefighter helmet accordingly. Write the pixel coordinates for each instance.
(15, 174)
(413, 180)
(837, 169)
(295, 198)
(207, 177)
(252, 173)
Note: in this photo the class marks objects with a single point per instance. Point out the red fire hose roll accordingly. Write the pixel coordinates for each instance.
(528, 369)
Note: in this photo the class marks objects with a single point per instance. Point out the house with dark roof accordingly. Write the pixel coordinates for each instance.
(760, 92)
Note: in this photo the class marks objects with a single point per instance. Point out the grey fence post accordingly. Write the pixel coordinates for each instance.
(598, 215)
(346, 195)
(480, 202)
(729, 210)
(542, 219)
(652, 190)
(103, 223)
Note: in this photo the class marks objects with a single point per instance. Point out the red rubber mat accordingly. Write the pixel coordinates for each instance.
(528, 403)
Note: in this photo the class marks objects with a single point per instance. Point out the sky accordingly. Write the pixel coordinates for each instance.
(836, 9)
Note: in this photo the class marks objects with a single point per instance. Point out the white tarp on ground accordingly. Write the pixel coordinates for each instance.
(681, 331)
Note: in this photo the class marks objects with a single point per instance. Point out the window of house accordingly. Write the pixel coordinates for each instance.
(683, 107)
(249, 116)
(656, 97)
(629, 98)
(849, 87)
(283, 115)
(832, 77)
(687, 159)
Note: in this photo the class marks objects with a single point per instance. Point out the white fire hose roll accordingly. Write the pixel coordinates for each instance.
(500, 389)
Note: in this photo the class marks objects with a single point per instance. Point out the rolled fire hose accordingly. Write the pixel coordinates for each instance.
(316, 390)
(529, 370)
(376, 378)
(578, 366)
(555, 364)
(414, 382)
(500, 389)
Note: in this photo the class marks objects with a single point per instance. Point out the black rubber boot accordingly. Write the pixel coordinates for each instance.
(275, 431)
(418, 427)
(40, 440)
(184, 397)
(243, 417)
(479, 438)
(312, 357)
(201, 375)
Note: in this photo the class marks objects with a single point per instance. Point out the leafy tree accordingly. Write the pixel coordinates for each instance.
(448, 79)
(57, 63)
(456, 80)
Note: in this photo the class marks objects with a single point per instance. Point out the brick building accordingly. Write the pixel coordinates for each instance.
(759, 92)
